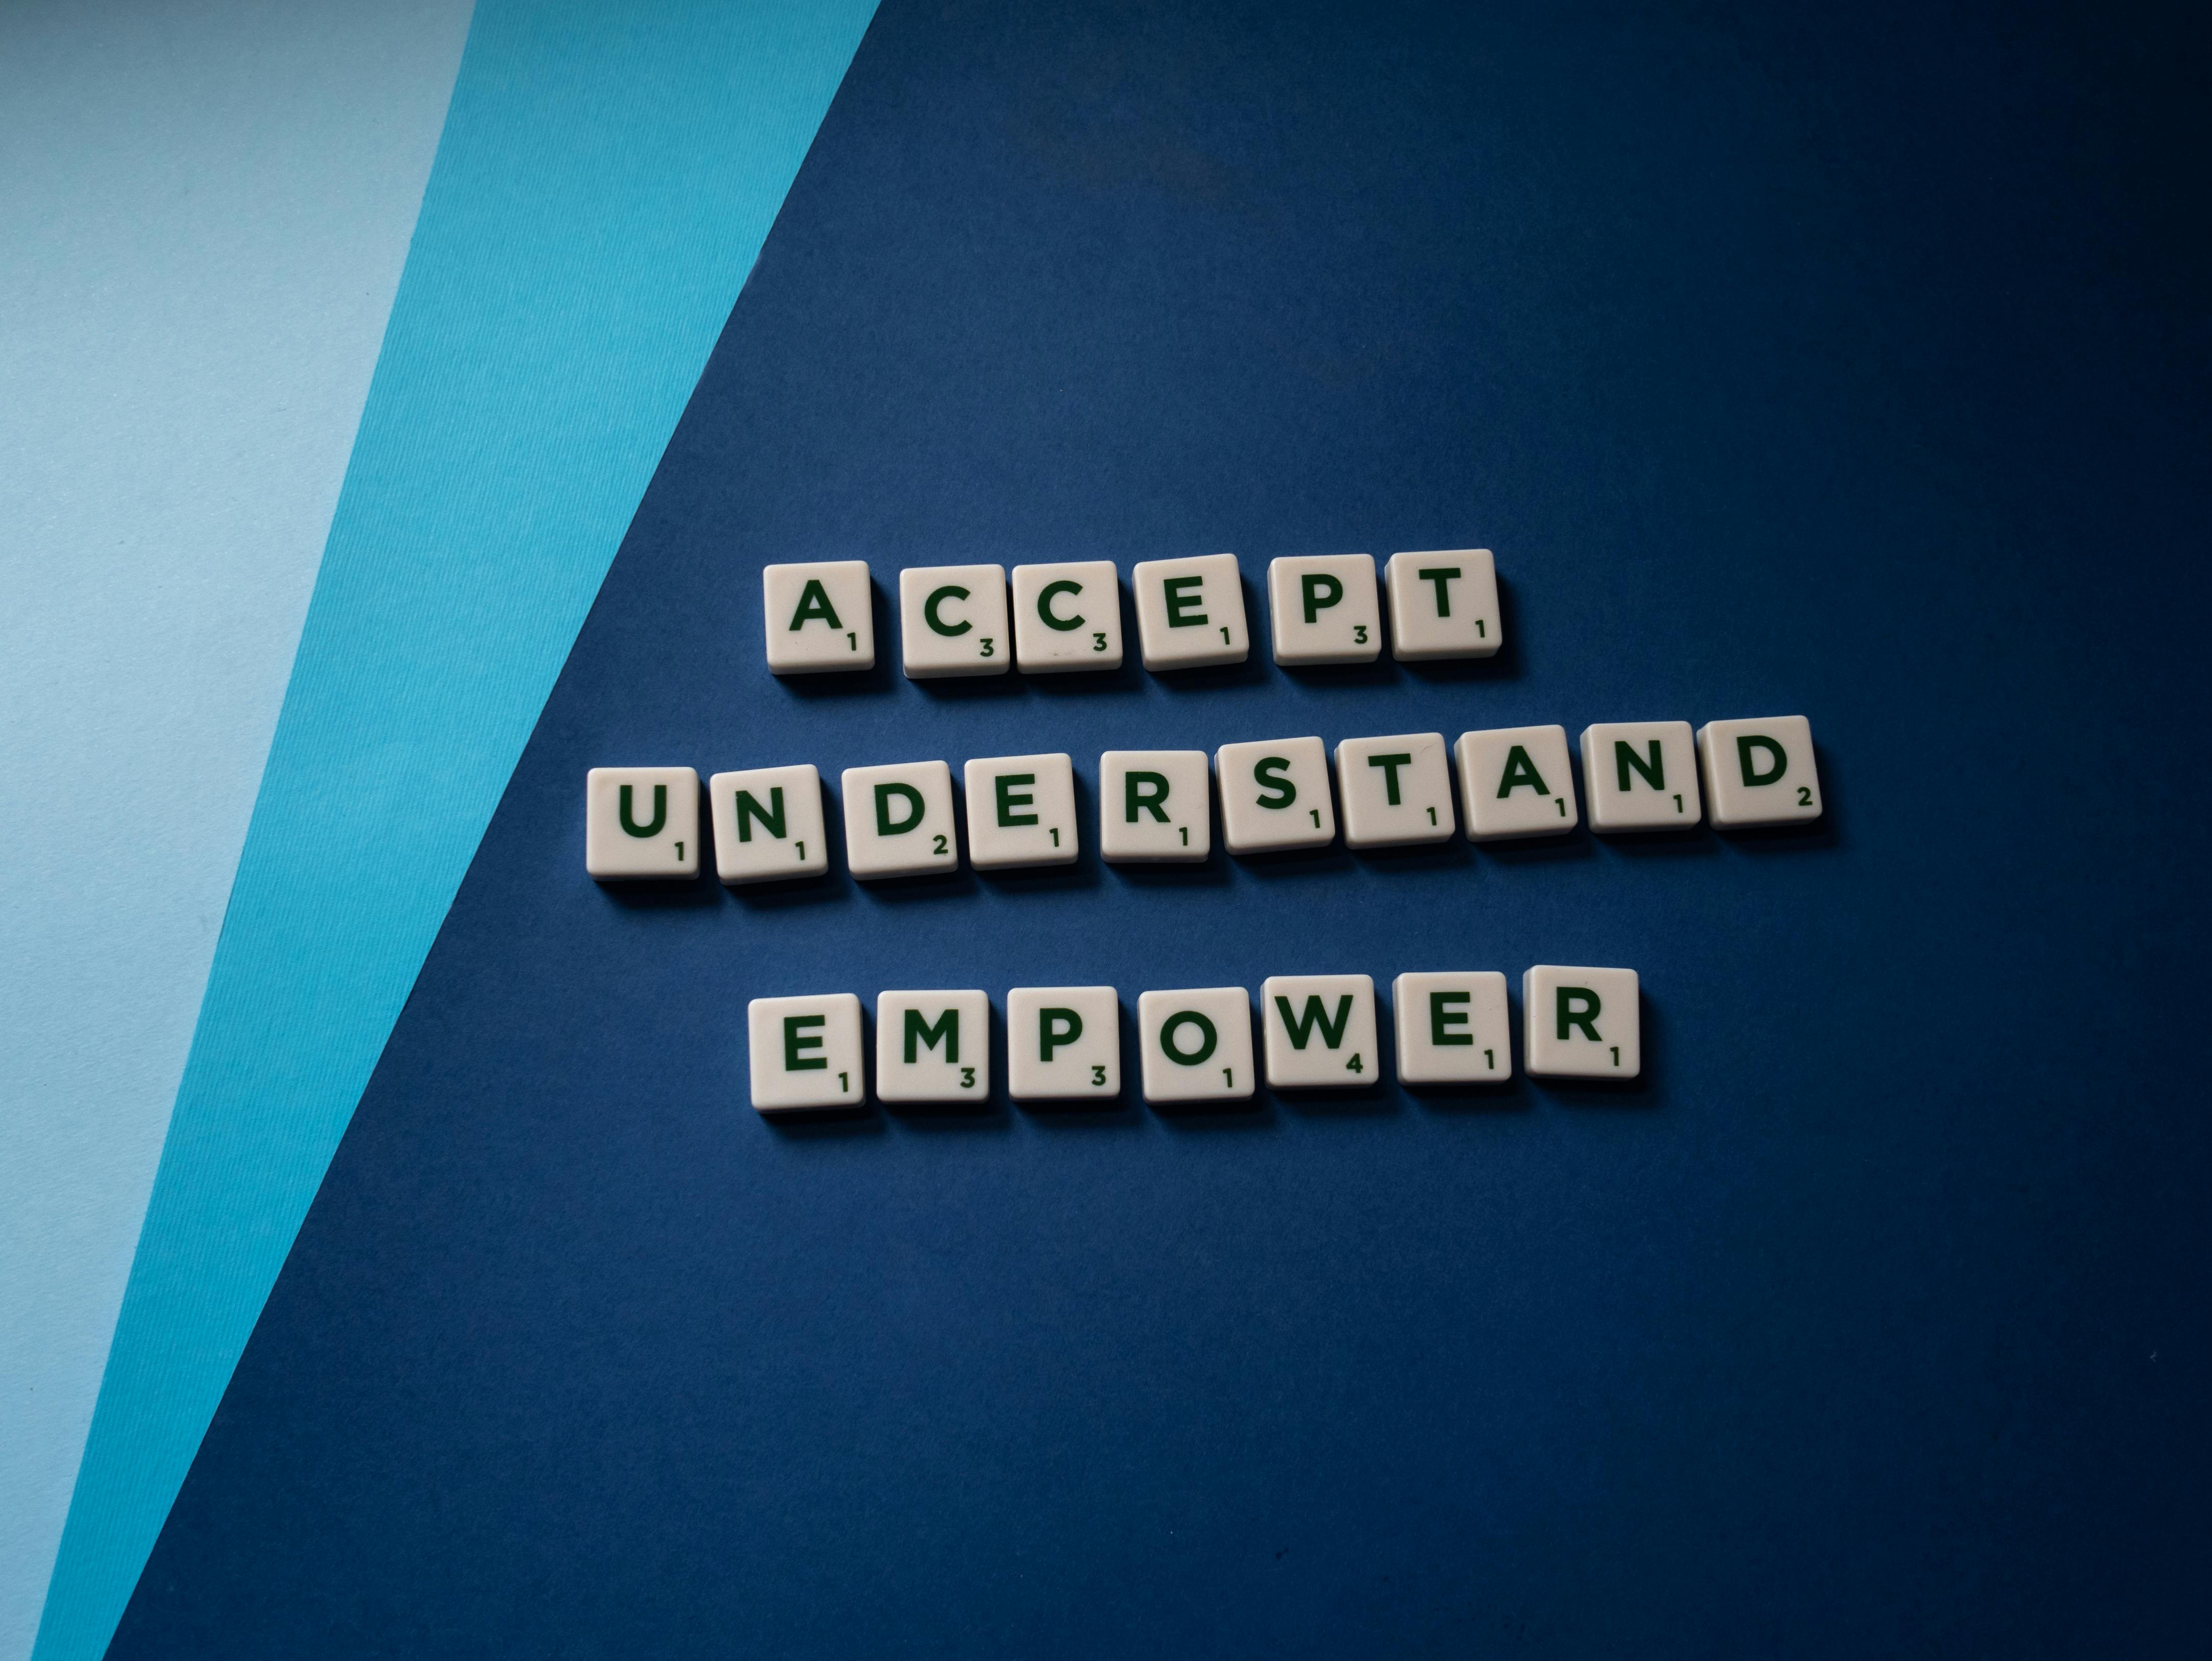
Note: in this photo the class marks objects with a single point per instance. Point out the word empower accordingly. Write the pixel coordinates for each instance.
(1067, 617)
(1318, 1032)
(1155, 806)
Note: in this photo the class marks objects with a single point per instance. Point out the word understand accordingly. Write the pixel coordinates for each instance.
(957, 620)
(1155, 806)
(1317, 1033)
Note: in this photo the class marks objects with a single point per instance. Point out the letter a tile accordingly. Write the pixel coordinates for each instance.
(1515, 781)
(819, 617)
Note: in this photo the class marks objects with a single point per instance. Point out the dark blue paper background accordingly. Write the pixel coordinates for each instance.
(1847, 362)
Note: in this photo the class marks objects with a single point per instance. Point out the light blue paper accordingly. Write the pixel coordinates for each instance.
(204, 213)
(606, 178)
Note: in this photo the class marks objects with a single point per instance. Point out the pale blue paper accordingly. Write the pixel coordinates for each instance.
(204, 213)
(607, 175)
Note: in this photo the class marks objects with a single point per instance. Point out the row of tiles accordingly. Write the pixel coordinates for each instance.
(1067, 617)
(1155, 806)
(1318, 1032)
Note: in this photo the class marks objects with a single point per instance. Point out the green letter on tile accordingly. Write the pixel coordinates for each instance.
(1009, 798)
(907, 794)
(1056, 1027)
(795, 1040)
(1752, 776)
(1655, 771)
(1578, 1006)
(1520, 770)
(771, 817)
(1319, 591)
(814, 603)
(1146, 792)
(659, 812)
(947, 1029)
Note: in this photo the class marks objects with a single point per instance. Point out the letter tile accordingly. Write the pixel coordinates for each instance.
(1759, 772)
(898, 820)
(1395, 791)
(1067, 617)
(818, 617)
(1321, 1031)
(806, 1052)
(1323, 609)
(932, 1047)
(768, 824)
(640, 822)
(952, 621)
(1190, 612)
(1064, 1043)
(1580, 1022)
(1641, 776)
(1515, 781)
(1274, 794)
(1442, 605)
(1452, 1028)
(1021, 811)
(1154, 806)
(1196, 1046)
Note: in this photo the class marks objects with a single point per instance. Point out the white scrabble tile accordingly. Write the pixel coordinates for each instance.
(1442, 605)
(806, 1052)
(1452, 1028)
(1759, 772)
(932, 1047)
(1063, 1044)
(1196, 1046)
(952, 621)
(1275, 794)
(1580, 1022)
(818, 617)
(1190, 612)
(1155, 806)
(1021, 811)
(768, 824)
(1321, 1031)
(1641, 776)
(1067, 617)
(1515, 781)
(1394, 791)
(640, 822)
(898, 820)
(1323, 609)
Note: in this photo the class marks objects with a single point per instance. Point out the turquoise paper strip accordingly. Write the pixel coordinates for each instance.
(606, 177)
